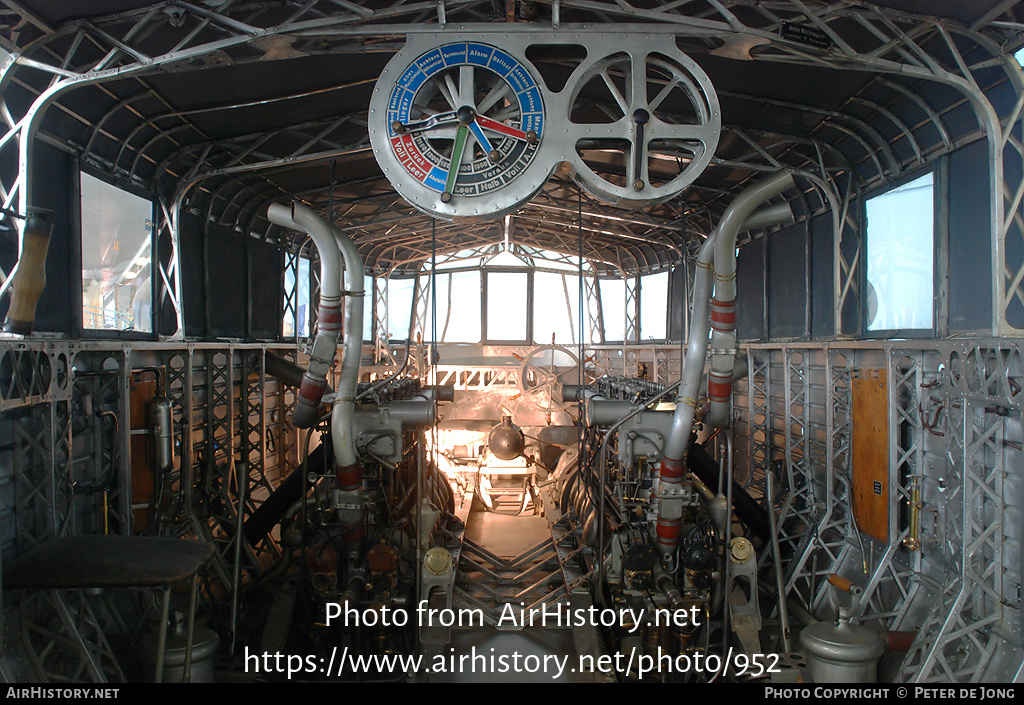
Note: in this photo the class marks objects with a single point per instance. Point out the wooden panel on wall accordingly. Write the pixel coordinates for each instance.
(871, 453)
(143, 388)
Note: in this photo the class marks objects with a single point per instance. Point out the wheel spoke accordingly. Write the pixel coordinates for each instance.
(499, 91)
(623, 105)
(541, 370)
(685, 133)
(558, 375)
(447, 88)
(663, 93)
(466, 87)
(506, 114)
(638, 83)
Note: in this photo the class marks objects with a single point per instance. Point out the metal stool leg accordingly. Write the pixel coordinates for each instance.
(161, 642)
(190, 629)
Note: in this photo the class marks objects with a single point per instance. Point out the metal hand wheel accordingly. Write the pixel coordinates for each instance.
(544, 371)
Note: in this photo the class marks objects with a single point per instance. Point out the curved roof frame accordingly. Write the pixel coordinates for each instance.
(849, 147)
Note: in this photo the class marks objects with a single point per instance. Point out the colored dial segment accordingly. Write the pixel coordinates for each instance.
(462, 156)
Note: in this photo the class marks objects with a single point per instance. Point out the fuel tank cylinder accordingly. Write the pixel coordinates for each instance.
(506, 440)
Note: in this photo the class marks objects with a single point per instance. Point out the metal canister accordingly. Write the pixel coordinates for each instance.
(506, 440)
(842, 652)
(204, 645)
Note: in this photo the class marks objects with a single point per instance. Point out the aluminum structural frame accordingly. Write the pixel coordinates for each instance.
(907, 47)
(951, 565)
(227, 416)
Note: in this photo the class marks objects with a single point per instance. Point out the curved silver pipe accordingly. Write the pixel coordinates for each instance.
(325, 345)
(723, 305)
(673, 462)
(343, 410)
(696, 351)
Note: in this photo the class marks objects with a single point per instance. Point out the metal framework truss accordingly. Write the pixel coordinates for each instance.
(68, 470)
(948, 569)
(489, 583)
(922, 75)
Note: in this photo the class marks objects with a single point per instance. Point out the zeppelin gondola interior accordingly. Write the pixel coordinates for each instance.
(489, 341)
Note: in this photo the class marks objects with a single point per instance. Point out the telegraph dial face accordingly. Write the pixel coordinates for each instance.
(457, 128)
(463, 128)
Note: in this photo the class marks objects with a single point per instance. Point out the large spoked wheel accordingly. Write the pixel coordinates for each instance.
(545, 370)
(661, 128)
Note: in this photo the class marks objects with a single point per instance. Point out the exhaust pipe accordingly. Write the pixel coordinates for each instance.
(336, 249)
(723, 305)
(28, 282)
(325, 345)
(343, 410)
(673, 462)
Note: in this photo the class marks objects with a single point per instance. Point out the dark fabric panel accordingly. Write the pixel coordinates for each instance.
(822, 278)
(787, 282)
(750, 273)
(225, 282)
(54, 175)
(266, 294)
(678, 299)
(852, 315)
(970, 249)
(193, 275)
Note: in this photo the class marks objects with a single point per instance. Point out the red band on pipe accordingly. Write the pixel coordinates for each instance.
(354, 533)
(723, 316)
(719, 390)
(329, 318)
(349, 477)
(723, 312)
(311, 390)
(671, 469)
(668, 531)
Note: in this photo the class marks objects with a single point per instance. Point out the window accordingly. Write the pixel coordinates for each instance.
(400, 307)
(299, 287)
(613, 308)
(507, 303)
(117, 241)
(458, 307)
(654, 306)
(458, 316)
(900, 253)
(367, 308)
(554, 305)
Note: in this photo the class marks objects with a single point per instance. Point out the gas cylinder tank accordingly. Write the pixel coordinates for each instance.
(506, 440)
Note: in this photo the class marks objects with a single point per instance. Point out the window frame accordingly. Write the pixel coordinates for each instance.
(309, 318)
(904, 333)
(78, 318)
(640, 307)
(485, 284)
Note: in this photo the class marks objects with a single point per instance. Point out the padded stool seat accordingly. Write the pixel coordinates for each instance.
(98, 561)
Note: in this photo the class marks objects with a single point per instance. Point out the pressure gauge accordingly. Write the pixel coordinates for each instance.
(457, 129)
